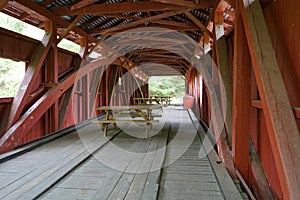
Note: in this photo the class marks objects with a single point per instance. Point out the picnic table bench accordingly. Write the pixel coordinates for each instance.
(113, 115)
(164, 101)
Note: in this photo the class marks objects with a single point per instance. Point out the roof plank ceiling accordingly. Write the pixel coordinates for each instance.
(99, 19)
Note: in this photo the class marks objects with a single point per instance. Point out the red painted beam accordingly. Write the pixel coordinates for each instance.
(218, 122)
(241, 101)
(52, 76)
(6, 100)
(257, 104)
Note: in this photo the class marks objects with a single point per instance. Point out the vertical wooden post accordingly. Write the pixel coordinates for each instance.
(226, 81)
(95, 86)
(85, 96)
(206, 43)
(52, 76)
(241, 100)
(66, 103)
(78, 89)
(221, 60)
(106, 86)
(83, 48)
(223, 65)
(281, 125)
(85, 83)
(219, 24)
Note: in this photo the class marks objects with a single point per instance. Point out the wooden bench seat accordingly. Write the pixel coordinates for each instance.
(134, 115)
(126, 121)
(105, 123)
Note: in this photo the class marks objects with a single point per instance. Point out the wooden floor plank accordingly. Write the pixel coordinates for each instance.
(67, 194)
(140, 181)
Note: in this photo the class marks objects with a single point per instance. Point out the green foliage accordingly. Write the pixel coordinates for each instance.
(11, 75)
(173, 86)
(68, 45)
(12, 24)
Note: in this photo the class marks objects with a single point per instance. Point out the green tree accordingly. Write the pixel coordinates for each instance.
(11, 75)
(12, 24)
(173, 86)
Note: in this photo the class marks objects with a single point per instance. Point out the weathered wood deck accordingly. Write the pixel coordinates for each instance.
(66, 169)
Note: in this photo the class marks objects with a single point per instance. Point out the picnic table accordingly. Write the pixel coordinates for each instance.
(164, 101)
(113, 115)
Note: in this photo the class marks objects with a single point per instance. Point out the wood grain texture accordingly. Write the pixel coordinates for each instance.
(281, 125)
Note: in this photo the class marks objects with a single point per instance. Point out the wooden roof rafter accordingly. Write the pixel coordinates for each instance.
(141, 21)
(159, 21)
(69, 28)
(144, 6)
(185, 3)
(160, 60)
(154, 25)
(82, 4)
(197, 22)
(159, 57)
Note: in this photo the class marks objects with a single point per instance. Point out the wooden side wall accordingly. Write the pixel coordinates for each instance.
(282, 19)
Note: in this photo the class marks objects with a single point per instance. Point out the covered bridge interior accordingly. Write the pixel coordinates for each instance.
(240, 60)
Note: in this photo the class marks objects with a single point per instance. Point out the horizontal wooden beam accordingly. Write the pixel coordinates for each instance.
(154, 25)
(164, 58)
(204, 3)
(82, 4)
(159, 21)
(147, 6)
(257, 104)
(141, 21)
(47, 2)
(6, 100)
(177, 25)
(28, 10)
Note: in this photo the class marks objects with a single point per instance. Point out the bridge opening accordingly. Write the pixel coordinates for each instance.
(168, 86)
